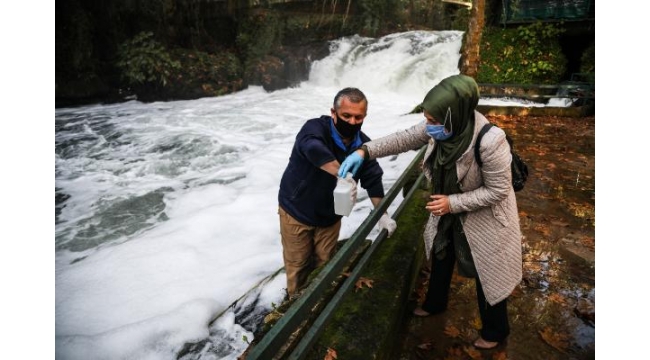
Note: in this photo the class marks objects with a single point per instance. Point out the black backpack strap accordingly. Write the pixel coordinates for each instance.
(477, 154)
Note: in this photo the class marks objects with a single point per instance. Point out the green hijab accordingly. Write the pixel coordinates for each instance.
(455, 96)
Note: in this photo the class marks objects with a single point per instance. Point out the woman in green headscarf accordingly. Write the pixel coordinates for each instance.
(473, 219)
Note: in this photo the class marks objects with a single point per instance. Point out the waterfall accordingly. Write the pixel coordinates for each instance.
(408, 63)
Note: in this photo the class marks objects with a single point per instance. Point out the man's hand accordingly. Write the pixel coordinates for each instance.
(385, 222)
(352, 163)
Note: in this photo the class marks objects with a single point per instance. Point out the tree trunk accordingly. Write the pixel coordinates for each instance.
(470, 55)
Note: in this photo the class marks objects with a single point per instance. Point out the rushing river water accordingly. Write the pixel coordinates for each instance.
(166, 218)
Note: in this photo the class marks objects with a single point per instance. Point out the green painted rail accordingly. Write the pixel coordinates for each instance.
(311, 335)
(275, 338)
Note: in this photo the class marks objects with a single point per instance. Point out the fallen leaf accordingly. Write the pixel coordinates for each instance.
(542, 228)
(457, 280)
(476, 323)
(452, 331)
(501, 355)
(556, 340)
(363, 281)
(557, 298)
(559, 223)
(454, 353)
(473, 353)
(588, 242)
(331, 354)
(517, 292)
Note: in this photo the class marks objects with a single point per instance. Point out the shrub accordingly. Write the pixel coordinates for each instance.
(206, 74)
(523, 55)
(588, 61)
(144, 61)
(258, 34)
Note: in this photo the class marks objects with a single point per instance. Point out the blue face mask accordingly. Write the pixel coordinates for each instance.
(438, 132)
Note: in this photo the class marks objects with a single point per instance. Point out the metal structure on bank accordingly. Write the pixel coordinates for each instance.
(523, 11)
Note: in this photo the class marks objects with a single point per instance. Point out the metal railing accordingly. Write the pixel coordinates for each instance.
(275, 338)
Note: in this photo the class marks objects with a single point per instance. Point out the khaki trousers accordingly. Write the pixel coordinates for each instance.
(305, 248)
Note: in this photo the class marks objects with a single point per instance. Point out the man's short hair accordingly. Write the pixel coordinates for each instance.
(353, 94)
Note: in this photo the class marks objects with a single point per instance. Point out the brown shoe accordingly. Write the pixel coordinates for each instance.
(420, 312)
(483, 344)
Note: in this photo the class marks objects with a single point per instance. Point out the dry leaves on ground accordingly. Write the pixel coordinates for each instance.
(331, 354)
(452, 331)
(476, 323)
(363, 281)
(558, 298)
(454, 353)
(472, 352)
(557, 340)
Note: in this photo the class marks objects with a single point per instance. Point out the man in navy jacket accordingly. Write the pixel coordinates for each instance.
(308, 224)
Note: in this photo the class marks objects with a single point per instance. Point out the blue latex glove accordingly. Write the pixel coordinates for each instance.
(352, 163)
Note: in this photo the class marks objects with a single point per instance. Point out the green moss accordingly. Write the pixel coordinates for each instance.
(364, 325)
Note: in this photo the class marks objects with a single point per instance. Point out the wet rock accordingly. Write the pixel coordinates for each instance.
(586, 310)
(286, 67)
(572, 249)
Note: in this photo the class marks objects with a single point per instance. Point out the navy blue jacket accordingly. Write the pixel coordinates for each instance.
(306, 191)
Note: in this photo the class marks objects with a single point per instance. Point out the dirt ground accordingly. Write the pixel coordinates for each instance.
(552, 311)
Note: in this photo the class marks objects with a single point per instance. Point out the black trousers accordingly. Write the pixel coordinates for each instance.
(494, 318)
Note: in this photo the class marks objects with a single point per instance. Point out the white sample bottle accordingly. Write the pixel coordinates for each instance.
(343, 196)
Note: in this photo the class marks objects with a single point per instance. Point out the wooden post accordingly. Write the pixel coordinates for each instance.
(470, 54)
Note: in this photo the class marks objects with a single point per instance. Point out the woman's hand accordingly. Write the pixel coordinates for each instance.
(439, 205)
(352, 163)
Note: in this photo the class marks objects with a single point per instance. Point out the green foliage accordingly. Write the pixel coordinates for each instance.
(215, 74)
(76, 53)
(525, 55)
(258, 34)
(83, 46)
(375, 14)
(210, 67)
(588, 60)
(144, 61)
(460, 15)
(307, 28)
(460, 19)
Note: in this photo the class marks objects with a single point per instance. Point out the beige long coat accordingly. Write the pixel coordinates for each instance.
(491, 223)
